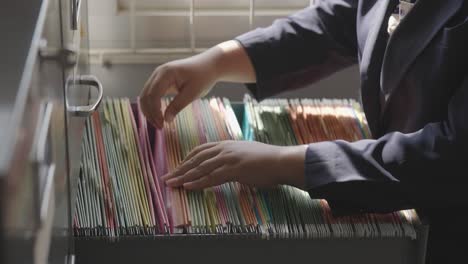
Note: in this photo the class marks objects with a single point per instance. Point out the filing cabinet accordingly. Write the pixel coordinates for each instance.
(45, 98)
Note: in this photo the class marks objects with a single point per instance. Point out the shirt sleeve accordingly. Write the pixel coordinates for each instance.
(302, 48)
(425, 169)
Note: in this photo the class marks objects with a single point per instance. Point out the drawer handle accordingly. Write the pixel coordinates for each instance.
(86, 110)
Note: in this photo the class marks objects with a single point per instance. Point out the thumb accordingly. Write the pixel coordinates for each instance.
(180, 101)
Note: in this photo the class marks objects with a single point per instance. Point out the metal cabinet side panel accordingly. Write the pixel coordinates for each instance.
(52, 82)
(19, 105)
(27, 237)
(17, 188)
(75, 95)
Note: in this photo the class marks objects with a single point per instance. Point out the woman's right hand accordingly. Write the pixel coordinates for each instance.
(192, 78)
(188, 78)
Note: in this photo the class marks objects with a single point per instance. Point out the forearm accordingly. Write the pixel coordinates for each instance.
(303, 48)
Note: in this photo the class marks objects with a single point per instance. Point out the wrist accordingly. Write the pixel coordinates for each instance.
(215, 61)
(231, 63)
(222, 55)
(291, 165)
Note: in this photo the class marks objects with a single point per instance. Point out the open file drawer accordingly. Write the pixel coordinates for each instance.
(235, 248)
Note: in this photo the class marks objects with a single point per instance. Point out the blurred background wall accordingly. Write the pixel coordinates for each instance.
(129, 38)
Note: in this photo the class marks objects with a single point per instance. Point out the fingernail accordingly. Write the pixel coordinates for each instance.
(171, 182)
(166, 176)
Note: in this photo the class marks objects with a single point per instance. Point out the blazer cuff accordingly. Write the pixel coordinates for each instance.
(334, 175)
(258, 49)
(320, 164)
(321, 178)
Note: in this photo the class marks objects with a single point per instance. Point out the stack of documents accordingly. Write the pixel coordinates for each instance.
(123, 157)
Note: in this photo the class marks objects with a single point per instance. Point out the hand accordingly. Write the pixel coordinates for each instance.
(247, 162)
(192, 78)
(188, 78)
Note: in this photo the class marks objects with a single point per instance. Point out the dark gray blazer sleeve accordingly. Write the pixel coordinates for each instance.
(302, 48)
(425, 169)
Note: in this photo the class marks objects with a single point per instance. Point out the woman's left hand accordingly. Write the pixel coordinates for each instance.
(247, 162)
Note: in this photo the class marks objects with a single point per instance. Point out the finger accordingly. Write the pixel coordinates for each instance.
(146, 101)
(179, 102)
(192, 153)
(192, 163)
(198, 149)
(148, 109)
(147, 86)
(159, 86)
(144, 107)
(205, 168)
(162, 83)
(215, 178)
